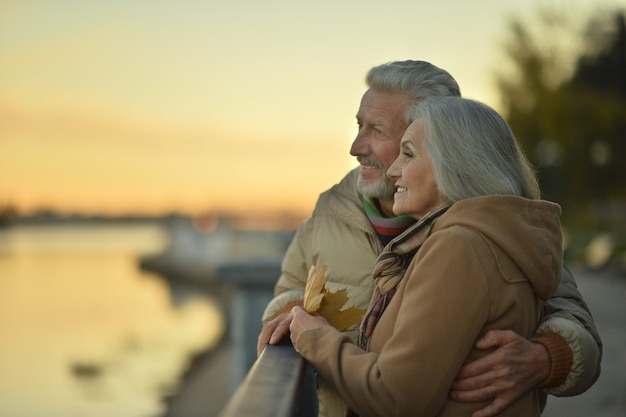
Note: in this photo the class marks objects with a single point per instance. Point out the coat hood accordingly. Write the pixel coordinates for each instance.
(528, 231)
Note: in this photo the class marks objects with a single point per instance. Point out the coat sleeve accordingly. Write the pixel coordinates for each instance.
(294, 271)
(567, 315)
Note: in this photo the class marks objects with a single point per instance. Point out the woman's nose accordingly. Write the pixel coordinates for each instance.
(394, 170)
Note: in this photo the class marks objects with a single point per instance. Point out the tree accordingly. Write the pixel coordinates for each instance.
(568, 106)
(600, 82)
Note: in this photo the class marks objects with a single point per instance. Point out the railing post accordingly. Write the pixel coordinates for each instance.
(252, 282)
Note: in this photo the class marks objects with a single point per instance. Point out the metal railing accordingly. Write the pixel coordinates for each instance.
(281, 383)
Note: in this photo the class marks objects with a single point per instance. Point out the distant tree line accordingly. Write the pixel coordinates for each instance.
(564, 95)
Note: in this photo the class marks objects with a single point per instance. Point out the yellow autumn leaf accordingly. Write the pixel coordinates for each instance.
(314, 289)
(331, 309)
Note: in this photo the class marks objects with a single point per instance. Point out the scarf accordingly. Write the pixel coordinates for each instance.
(386, 228)
(389, 270)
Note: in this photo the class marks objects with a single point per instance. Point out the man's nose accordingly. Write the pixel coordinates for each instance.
(360, 145)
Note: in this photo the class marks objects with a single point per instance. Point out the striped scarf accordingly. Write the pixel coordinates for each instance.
(386, 228)
(390, 268)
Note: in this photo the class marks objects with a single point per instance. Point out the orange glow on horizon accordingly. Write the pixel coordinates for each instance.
(157, 107)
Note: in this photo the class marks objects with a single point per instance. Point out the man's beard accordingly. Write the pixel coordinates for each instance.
(381, 189)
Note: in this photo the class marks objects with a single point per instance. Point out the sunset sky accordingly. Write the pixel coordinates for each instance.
(152, 106)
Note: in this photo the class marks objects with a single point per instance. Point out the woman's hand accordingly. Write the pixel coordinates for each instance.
(302, 321)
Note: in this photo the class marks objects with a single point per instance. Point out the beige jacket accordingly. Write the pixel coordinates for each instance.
(339, 236)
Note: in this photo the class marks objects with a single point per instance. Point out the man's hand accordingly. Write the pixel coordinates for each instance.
(273, 332)
(504, 375)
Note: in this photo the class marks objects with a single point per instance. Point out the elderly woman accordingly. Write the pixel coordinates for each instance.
(483, 254)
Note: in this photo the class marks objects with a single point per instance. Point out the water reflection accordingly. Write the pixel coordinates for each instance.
(84, 332)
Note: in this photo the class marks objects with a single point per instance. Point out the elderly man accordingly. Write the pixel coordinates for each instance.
(353, 221)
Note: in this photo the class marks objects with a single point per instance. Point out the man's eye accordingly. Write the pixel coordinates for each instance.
(407, 154)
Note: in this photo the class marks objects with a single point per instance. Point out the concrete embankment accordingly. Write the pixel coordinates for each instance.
(605, 293)
(206, 386)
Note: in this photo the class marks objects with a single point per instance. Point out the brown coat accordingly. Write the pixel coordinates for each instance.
(486, 265)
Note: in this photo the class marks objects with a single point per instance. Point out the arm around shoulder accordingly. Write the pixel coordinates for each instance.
(567, 315)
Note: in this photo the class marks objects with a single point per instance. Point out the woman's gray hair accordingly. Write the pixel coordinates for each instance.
(474, 151)
(417, 79)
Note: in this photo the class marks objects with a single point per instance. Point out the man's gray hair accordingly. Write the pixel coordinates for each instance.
(417, 79)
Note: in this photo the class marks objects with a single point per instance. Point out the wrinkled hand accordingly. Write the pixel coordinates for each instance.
(502, 376)
(273, 332)
(302, 321)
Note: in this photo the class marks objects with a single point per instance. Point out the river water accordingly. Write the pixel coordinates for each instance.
(83, 331)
